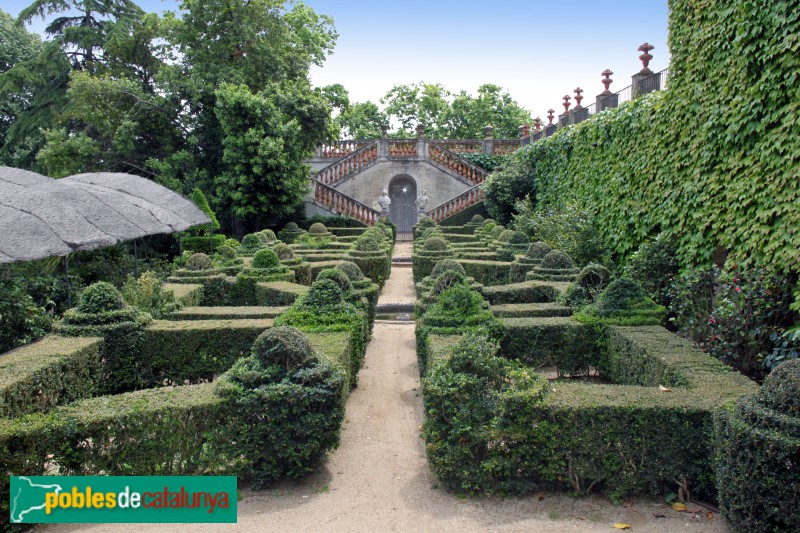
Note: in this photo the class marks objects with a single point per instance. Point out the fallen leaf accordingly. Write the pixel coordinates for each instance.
(664, 389)
(540, 496)
(694, 510)
(678, 506)
(620, 525)
(710, 515)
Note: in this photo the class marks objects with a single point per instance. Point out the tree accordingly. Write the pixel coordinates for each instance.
(420, 103)
(361, 121)
(493, 106)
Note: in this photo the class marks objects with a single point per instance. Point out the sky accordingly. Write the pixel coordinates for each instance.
(537, 50)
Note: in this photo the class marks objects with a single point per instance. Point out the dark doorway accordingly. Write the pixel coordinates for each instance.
(403, 209)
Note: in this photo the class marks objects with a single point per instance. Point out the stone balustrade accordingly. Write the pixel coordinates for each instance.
(341, 204)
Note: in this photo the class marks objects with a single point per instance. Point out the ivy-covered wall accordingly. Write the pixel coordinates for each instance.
(713, 160)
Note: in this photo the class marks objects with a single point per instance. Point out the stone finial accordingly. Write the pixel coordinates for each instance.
(566, 99)
(578, 98)
(421, 130)
(537, 124)
(646, 57)
(607, 81)
(384, 131)
(525, 130)
(488, 132)
(551, 115)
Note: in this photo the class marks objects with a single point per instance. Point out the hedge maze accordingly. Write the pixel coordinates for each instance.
(261, 327)
(633, 406)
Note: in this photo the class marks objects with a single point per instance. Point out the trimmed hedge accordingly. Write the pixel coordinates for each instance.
(52, 371)
(226, 313)
(527, 292)
(195, 350)
(543, 341)
(202, 243)
(487, 273)
(531, 310)
(278, 293)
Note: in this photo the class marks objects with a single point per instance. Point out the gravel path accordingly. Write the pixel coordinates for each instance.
(378, 479)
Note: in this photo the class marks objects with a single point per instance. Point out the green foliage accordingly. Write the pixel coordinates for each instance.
(201, 202)
(654, 265)
(284, 346)
(447, 265)
(21, 320)
(101, 297)
(488, 162)
(283, 251)
(147, 294)
(538, 250)
(435, 244)
(317, 228)
(692, 296)
(199, 263)
(786, 347)
(623, 302)
(251, 244)
(753, 306)
(361, 120)
(339, 277)
(594, 278)
(202, 243)
(323, 294)
(557, 260)
(756, 441)
(351, 269)
(266, 258)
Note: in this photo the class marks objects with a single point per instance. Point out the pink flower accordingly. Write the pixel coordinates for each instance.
(738, 289)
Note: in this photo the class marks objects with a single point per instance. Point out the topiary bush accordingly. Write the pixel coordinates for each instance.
(290, 233)
(555, 266)
(435, 244)
(283, 251)
(268, 236)
(594, 277)
(251, 244)
(351, 269)
(265, 259)
(337, 276)
(102, 312)
(147, 294)
(557, 260)
(318, 230)
(756, 449)
(476, 220)
(286, 408)
(447, 265)
(654, 265)
(538, 250)
(624, 302)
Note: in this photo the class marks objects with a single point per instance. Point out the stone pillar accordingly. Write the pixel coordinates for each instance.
(563, 120)
(645, 81)
(579, 113)
(606, 99)
(422, 142)
(487, 146)
(550, 128)
(383, 143)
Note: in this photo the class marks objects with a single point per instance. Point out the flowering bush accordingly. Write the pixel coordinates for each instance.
(752, 307)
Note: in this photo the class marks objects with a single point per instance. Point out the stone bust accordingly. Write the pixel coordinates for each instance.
(384, 201)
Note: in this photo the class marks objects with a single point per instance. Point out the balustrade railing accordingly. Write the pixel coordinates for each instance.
(353, 163)
(459, 203)
(504, 146)
(447, 159)
(464, 146)
(402, 147)
(339, 149)
(341, 204)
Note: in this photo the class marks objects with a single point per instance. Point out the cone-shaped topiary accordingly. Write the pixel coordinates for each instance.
(555, 266)
(285, 346)
(756, 449)
(265, 259)
(338, 277)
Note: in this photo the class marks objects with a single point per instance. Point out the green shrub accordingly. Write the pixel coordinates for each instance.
(555, 266)
(351, 269)
(757, 442)
(692, 296)
(339, 277)
(265, 259)
(202, 243)
(278, 293)
(594, 278)
(527, 292)
(447, 265)
(557, 260)
(752, 307)
(283, 251)
(538, 250)
(251, 244)
(290, 233)
(21, 320)
(624, 302)
(488, 273)
(653, 266)
(102, 312)
(557, 341)
(199, 199)
(147, 294)
(267, 235)
(323, 293)
(476, 220)
(435, 244)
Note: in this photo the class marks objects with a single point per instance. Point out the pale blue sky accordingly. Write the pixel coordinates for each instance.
(538, 50)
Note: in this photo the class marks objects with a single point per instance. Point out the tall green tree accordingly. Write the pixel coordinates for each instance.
(419, 103)
(362, 120)
(493, 106)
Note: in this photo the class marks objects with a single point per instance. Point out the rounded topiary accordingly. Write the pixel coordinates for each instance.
(594, 277)
(447, 279)
(430, 232)
(496, 231)
(252, 242)
(447, 264)
(265, 259)
(338, 277)
(435, 244)
(519, 238)
(557, 260)
(538, 250)
(488, 222)
(283, 251)
(505, 235)
(199, 262)
(352, 270)
(284, 346)
(620, 295)
(291, 226)
(477, 220)
(318, 228)
(426, 222)
(268, 236)
(100, 297)
(368, 243)
(781, 389)
(323, 293)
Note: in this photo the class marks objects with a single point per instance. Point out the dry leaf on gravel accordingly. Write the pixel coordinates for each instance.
(620, 525)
